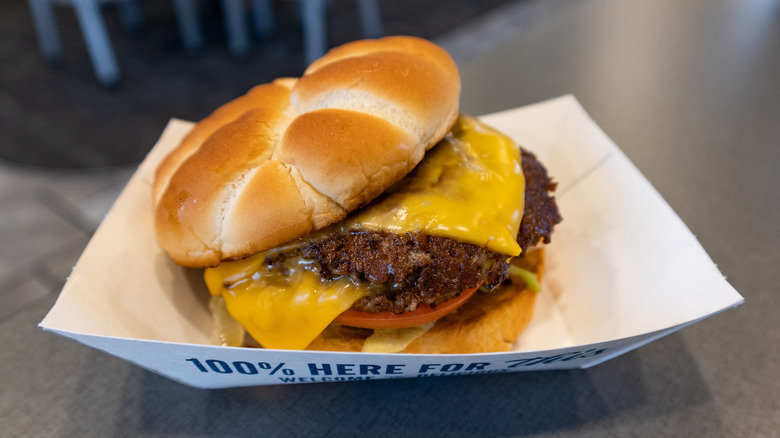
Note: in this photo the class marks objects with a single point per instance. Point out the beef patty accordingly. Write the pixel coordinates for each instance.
(416, 268)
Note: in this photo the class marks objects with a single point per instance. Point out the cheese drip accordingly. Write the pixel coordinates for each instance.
(470, 188)
(281, 310)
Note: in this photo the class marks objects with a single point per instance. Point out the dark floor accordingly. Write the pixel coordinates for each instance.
(62, 117)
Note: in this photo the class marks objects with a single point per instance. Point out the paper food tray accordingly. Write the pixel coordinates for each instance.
(623, 270)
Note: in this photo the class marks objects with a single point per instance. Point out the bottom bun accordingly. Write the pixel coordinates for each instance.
(488, 322)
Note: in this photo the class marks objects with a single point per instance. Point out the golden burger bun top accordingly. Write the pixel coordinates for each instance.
(296, 155)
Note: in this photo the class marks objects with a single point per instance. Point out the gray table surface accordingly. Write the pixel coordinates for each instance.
(690, 90)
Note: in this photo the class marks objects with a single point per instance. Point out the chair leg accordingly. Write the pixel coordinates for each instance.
(236, 27)
(263, 17)
(98, 43)
(188, 19)
(315, 36)
(370, 18)
(130, 15)
(46, 29)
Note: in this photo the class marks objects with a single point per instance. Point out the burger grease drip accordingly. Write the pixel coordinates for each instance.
(444, 196)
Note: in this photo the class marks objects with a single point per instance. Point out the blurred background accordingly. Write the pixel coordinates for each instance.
(58, 114)
(72, 136)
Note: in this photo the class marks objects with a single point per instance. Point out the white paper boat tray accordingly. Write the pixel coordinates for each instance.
(622, 271)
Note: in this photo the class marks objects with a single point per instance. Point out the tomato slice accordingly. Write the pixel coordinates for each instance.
(389, 320)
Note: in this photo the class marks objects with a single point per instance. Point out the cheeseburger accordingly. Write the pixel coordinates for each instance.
(356, 209)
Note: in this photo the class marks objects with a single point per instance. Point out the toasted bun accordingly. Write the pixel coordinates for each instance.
(294, 156)
(488, 322)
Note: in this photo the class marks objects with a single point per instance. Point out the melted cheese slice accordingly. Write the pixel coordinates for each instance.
(281, 310)
(470, 188)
